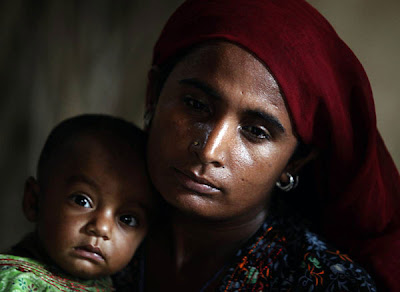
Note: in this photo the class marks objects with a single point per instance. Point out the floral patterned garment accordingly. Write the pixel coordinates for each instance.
(282, 256)
(25, 274)
(286, 256)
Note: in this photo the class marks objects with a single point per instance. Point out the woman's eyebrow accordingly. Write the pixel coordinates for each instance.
(268, 118)
(203, 86)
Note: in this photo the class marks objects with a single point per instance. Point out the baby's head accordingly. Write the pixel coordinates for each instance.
(92, 198)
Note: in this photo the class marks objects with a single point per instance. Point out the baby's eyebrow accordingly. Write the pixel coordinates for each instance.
(80, 178)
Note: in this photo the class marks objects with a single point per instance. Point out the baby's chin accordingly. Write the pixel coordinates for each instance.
(84, 269)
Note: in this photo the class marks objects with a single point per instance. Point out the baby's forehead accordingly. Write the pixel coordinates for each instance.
(75, 128)
(96, 148)
(102, 146)
(103, 163)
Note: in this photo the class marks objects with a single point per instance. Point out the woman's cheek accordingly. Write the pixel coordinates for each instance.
(242, 157)
(247, 156)
(256, 167)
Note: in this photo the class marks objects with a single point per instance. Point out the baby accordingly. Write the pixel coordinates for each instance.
(91, 203)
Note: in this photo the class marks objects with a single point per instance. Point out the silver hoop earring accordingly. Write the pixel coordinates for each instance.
(292, 184)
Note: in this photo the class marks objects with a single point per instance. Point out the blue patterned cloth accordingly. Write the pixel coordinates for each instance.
(282, 256)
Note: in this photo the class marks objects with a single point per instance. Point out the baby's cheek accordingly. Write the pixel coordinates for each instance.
(136, 240)
(125, 248)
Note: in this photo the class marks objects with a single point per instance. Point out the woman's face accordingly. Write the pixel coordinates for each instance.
(221, 135)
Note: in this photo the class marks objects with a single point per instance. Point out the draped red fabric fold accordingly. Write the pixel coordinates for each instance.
(330, 101)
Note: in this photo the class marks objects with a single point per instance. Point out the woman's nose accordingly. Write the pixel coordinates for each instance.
(101, 225)
(213, 144)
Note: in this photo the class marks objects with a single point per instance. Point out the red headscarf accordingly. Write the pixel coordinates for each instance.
(330, 101)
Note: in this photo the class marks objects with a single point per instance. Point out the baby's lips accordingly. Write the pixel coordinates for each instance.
(91, 249)
(94, 249)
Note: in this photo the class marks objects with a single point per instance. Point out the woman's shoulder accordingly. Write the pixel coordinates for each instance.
(284, 254)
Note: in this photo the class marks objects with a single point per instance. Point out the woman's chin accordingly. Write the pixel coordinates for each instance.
(197, 205)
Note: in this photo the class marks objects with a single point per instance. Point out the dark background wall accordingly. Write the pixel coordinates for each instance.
(62, 58)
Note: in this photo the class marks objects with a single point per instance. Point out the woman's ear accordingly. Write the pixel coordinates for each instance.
(30, 203)
(297, 162)
(152, 93)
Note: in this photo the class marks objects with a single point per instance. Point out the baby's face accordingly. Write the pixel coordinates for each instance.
(94, 207)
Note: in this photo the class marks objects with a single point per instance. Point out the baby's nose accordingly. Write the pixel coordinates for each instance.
(101, 225)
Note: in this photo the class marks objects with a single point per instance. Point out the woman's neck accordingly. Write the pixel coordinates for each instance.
(190, 251)
(198, 238)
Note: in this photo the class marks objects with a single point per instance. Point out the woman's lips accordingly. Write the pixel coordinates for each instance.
(89, 252)
(197, 184)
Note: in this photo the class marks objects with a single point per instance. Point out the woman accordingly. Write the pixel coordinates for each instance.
(245, 97)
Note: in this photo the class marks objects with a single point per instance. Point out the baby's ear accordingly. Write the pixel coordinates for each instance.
(30, 204)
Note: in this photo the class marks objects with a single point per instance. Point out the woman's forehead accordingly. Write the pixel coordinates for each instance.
(227, 76)
(220, 61)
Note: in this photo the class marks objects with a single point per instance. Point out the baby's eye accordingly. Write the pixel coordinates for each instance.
(195, 104)
(128, 220)
(81, 200)
(257, 132)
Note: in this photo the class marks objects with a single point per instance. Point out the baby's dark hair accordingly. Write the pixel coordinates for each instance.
(89, 123)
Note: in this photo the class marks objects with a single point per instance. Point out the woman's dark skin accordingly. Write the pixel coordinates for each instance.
(220, 138)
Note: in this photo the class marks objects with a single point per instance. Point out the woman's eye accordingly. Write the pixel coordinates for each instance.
(128, 220)
(257, 132)
(81, 200)
(196, 104)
